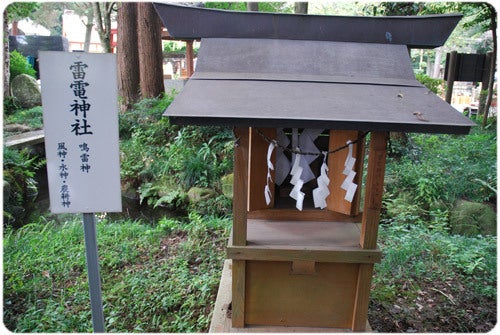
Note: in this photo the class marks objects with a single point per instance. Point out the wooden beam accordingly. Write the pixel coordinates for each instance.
(451, 76)
(374, 189)
(360, 312)
(304, 253)
(240, 186)
(238, 294)
(240, 189)
(189, 58)
(304, 215)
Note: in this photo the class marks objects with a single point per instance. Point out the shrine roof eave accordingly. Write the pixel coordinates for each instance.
(422, 31)
(288, 104)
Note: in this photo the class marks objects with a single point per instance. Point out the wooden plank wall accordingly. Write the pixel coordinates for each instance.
(257, 166)
(335, 201)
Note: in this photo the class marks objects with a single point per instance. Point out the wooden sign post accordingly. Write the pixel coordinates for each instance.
(80, 113)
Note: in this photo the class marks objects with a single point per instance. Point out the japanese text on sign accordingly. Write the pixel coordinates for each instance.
(81, 131)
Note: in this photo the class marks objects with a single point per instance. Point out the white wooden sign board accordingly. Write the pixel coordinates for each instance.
(80, 116)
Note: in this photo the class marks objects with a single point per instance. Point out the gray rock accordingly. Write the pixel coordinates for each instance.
(26, 90)
(227, 185)
(197, 194)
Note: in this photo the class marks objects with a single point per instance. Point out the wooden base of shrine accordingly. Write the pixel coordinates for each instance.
(221, 318)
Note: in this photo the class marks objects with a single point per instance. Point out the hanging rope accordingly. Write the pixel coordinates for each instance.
(299, 152)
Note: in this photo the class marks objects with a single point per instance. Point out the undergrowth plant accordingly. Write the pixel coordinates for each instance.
(160, 278)
(437, 170)
(32, 117)
(20, 65)
(19, 185)
(162, 161)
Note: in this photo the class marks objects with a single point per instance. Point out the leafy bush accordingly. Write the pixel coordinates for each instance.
(10, 105)
(19, 65)
(20, 187)
(472, 219)
(31, 117)
(445, 168)
(434, 85)
(161, 160)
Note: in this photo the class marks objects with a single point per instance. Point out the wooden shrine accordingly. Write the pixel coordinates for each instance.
(307, 93)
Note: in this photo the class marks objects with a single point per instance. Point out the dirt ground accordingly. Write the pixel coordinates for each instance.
(440, 307)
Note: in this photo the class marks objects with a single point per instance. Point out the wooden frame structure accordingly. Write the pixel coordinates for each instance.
(309, 268)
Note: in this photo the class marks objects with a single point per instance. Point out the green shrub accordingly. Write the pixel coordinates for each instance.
(20, 187)
(19, 65)
(32, 117)
(434, 85)
(444, 168)
(472, 218)
(10, 105)
(156, 154)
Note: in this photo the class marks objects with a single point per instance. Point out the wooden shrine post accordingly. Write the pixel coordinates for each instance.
(370, 221)
(240, 191)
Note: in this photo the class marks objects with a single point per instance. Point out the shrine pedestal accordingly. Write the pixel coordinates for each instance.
(221, 318)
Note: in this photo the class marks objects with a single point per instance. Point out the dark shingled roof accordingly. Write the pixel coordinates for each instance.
(267, 82)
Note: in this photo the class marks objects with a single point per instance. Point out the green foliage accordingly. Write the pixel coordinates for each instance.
(472, 219)
(19, 65)
(434, 85)
(415, 253)
(437, 170)
(20, 187)
(10, 105)
(31, 117)
(275, 7)
(21, 10)
(163, 161)
(161, 278)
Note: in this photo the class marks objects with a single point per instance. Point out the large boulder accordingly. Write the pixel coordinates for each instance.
(227, 185)
(473, 218)
(26, 91)
(197, 194)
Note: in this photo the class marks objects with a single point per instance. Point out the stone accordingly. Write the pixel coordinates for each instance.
(473, 218)
(26, 90)
(197, 194)
(227, 185)
(16, 128)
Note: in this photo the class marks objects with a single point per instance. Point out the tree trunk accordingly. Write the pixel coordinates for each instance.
(301, 7)
(103, 23)
(150, 51)
(436, 73)
(127, 55)
(489, 98)
(6, 59)
(253, 6)
(88, 30)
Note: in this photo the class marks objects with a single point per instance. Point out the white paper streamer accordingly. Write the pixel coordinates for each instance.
(321, 192)
(306, 144)
(270, 166)
(283, 164)
(348, 185)
(296, 172)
